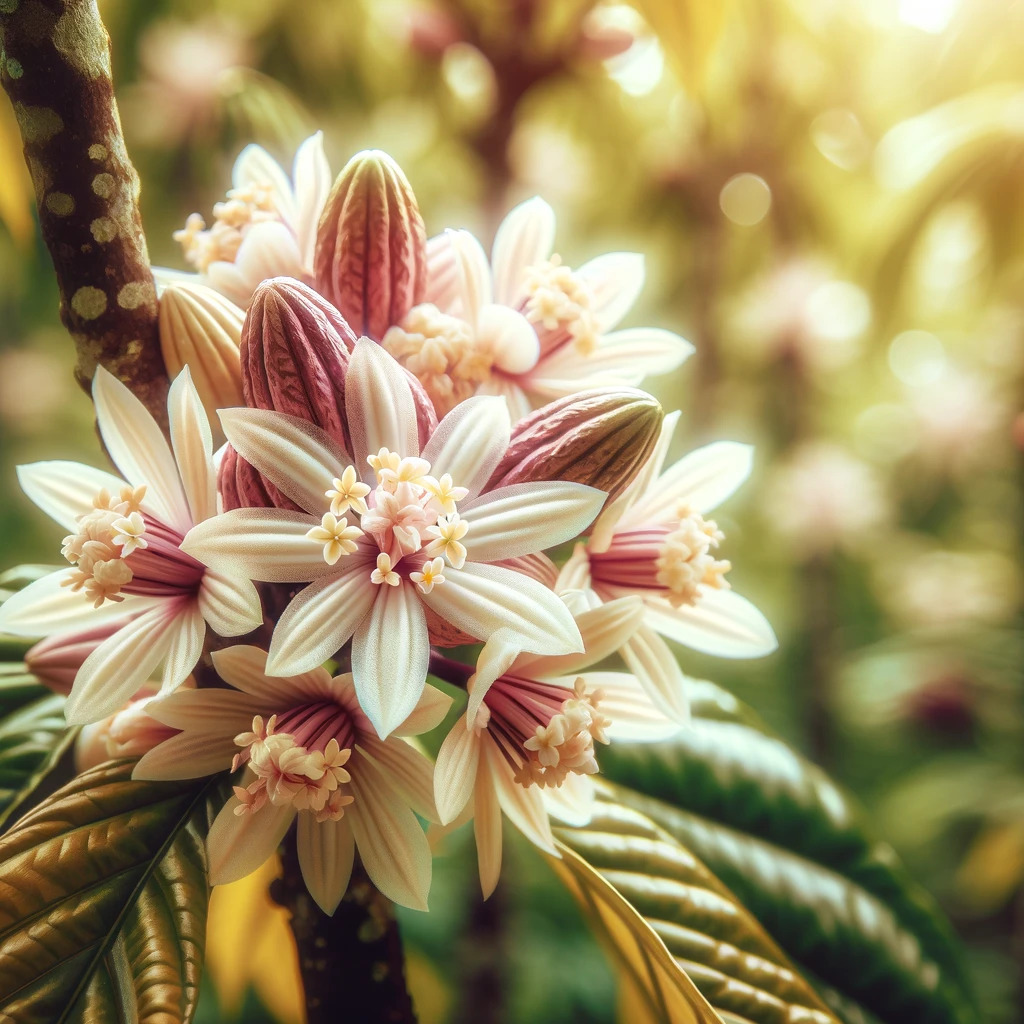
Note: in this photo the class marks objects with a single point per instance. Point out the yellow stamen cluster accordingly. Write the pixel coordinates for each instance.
(448, 534)
(566, 744)
(442, 353)
(557, 299)
(290, 775)
(686, 561)
(432, 574)
(346, 493)
(384, 573)
(337, 537)
(202, 246)
(106, 537)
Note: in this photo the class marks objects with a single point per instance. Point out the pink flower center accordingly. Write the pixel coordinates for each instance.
(545, 732)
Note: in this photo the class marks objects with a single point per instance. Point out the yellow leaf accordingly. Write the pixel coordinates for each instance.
(657, 990)
(15, 184)
(994, 866)
(249, 945)
(431, 997)
(689, 31)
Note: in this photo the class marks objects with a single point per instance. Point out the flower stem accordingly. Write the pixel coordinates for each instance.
(352, 964)
(57, 74)
(450, 670)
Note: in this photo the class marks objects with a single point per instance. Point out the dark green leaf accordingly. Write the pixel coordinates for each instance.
(103, 898)
(795, 851)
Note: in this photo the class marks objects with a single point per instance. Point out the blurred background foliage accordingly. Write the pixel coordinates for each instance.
(829, 196)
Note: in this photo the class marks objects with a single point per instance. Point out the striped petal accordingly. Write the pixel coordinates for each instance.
(190, 755)
(255, 166)
(524, 238)
(487, 831)
(572, 801)
(721, 623)
(185, 648)
(649, 658)
(230, 603)
(456, 770)
(615, 281)
(245, 668)
(312, 176)
(409, 772)
(390, 653)
(295, 455)
(469, 442)
(634, 716)
(523, 805)
(238, 844)
(326, 851)
(525, 518)
(192, 442)
(139, 450)
(429, 713)
(65, 490)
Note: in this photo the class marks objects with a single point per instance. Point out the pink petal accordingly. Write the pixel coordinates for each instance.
(244, 667)
(456, 770)
(487, 831)
(409, 772)
(239, 843)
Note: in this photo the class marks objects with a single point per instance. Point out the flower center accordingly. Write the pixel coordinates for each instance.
(442, 353)
(120, 550)
(411, 516)
(244, 207)
(298, 759)
(675, 559)
(545, 732)
(558, 303)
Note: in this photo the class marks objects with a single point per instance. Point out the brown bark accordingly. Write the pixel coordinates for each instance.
(56, 70)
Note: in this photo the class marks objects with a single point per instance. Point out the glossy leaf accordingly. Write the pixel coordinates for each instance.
(103, 898)
(658, 988)
(33, 736)
(793, 848)
(722, 948)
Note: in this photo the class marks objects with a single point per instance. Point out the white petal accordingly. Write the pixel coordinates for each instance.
(604, 630)
(721, 623)
(455, 770)
(269, 249)
(45, 607)
(326, 851)
(265, 544)
(443, 276)
(615, 281)
(495, 659)
(391, 842)
(409, 771)
(294, 454)
(255, 166)
(703, 479)
(657, 671)
(525, 518)
(229, 603)
(474, 274)
(572, 801)
(390, 652)
(622, 358)
(189, 755)
(575, 574)
(319, 620)
(510, 338)
(487, 830)
(193, 447)
(119, 666)
(518, 400)
(186, 647)
(523, 806)
(634, 716)
(65, 490)
(139, 450)
(244, 667)
(312, 176)
(524, 238)
(604, 526)
(481, 599)
(469, 442)
(238, 844)
(379, 406)
(430, 712)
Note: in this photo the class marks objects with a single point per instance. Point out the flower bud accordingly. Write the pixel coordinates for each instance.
(371, 245)
(56, 660)
(600, 437)
(201, 328)
(129, 732)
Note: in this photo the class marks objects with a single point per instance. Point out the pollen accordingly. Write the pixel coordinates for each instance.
(559, 300)
(431, 575)
(686, 562)
(253, 204)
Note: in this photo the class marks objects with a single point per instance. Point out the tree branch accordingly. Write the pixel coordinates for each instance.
(56, 70)
(352, 964)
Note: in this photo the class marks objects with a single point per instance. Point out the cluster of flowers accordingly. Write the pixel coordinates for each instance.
(409, 428)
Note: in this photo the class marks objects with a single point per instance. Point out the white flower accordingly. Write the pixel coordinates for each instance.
(125, 552)
(308, 750)
(654, 542)
(525, 746)
(370, 595)
(265, 228)
(525, 325)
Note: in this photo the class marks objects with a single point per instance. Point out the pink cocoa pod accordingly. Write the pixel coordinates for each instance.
(241, 486)
(371, 244)
(294, 355)
(601, 438)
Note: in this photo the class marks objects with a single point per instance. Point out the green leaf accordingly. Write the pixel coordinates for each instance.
(719, 944)
(103, 899)
(794, 849)
(33, 736)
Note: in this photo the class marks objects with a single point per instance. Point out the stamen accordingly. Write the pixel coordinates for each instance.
(686, 562)
(337, 537)
(449, 532)
(348, 492)
(432, 574)
(560, 301)
(384, 573)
